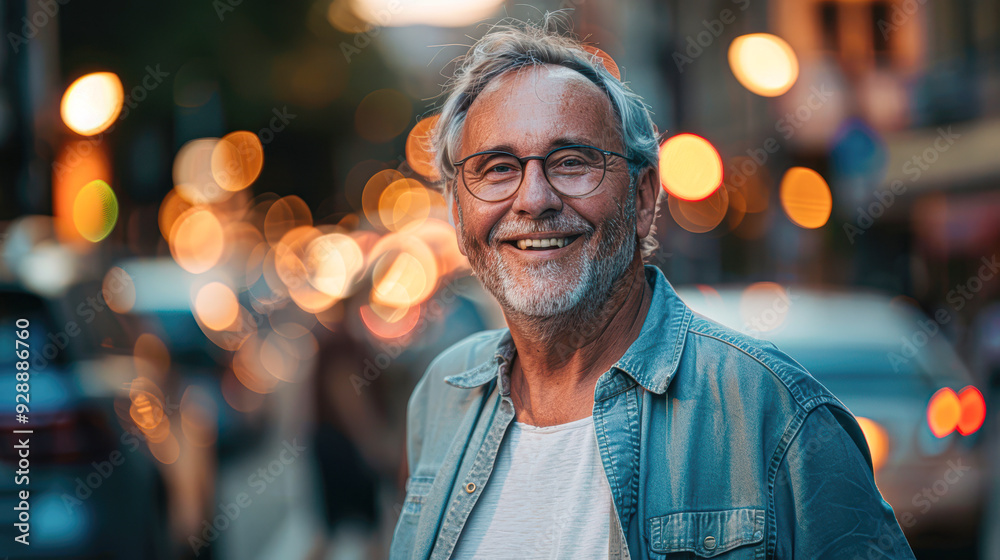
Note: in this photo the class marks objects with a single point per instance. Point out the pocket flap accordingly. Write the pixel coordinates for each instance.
(417, 488)
(706, 533)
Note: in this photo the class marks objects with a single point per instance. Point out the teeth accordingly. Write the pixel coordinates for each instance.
(554, 242)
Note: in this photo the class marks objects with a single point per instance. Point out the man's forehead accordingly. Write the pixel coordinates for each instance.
(524, 101)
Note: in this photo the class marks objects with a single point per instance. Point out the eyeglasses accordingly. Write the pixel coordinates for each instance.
(573, 171)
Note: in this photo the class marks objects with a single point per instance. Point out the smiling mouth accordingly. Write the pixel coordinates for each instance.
(543, 244)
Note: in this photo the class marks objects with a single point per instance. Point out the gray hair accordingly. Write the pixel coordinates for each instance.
(512, 45)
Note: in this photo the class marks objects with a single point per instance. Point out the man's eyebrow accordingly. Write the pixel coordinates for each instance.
(556, 143)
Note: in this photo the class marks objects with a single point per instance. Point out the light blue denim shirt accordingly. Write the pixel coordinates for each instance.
(715, 445)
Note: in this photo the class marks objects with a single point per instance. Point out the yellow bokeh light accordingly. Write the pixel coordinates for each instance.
(335, 263)
(92, 103)
(237, 160)
(405, 272)
(404, 203)
(806, 197)
(216, 306)
(95, 211)
(372, 193)
(196, 240)
(765, 64)
(764, 306)
(690, 167)
(878, 441)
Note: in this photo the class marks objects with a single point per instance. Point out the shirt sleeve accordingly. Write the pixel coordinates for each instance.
(826, 504)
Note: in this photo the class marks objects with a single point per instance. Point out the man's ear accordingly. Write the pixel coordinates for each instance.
(455, 221)
(647, 190)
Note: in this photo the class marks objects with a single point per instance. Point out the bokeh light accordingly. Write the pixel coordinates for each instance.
(806, 197)
(943, 412)
(764, 306)
(193, 176)
(973, 410)
(765, 64)
(439, 13)
(237, 160)
(690, 167)
(151, 356)
(118, 289)
(606, 60)
(700, 216)
(92, 103)
(419, 150)
(404, 203)
(878, 441)
(216, 306)
(95, 210)
(196, 240)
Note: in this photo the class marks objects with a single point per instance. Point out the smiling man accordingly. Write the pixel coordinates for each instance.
(607, 420)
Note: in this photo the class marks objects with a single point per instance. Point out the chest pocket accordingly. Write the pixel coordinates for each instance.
(417, 488)
(727, 534)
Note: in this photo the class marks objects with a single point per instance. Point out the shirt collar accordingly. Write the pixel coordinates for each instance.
(651, 360)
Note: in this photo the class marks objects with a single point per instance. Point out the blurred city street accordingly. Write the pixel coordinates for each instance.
(227, 256)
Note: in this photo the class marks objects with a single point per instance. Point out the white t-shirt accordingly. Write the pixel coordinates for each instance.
(547, 498)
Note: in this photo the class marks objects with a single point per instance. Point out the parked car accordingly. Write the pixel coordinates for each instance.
(896, 370)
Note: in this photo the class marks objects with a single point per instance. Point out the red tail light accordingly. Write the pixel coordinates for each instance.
(948, 411)
(973, 410)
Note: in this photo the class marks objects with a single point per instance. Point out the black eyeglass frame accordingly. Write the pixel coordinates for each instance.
(524, 162)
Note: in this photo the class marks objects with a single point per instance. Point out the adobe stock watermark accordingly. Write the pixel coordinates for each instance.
(278, 122)
(259, 481)
(885, 198)
(902, 12)
(34, 22)
(697, 44)
(86, 311)
(363, 39)
(958, 297)
(884, 542)
(787, 126)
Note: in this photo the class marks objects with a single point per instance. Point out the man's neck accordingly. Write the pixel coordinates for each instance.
(559, 362)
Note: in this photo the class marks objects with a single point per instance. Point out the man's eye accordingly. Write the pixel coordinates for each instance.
(571, 162)
(500, 168)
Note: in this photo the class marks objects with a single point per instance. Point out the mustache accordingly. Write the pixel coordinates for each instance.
(563, 222)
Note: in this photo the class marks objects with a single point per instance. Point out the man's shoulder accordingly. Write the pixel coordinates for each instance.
(754, 361)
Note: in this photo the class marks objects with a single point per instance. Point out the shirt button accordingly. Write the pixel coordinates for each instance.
(758, 535)
(470, 487)
(709, 543)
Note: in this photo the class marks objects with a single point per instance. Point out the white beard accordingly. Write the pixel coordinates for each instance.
(574, 290)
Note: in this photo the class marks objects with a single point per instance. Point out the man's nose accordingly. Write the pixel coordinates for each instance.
(536, 198)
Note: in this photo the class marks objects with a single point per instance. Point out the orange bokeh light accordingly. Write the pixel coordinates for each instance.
(806, 197)
(690, 167)
(419, 149)
(237, 160)
(196, 240)
(606, 60)
(216, 306)
(973, 410)
(943, 412)
(700, 216)
(878, 441)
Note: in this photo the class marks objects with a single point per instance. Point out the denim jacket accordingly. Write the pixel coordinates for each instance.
(715, 445)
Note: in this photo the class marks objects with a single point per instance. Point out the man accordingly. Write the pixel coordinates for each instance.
(607, 421)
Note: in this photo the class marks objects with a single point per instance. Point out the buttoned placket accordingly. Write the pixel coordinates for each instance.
(474, 482)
